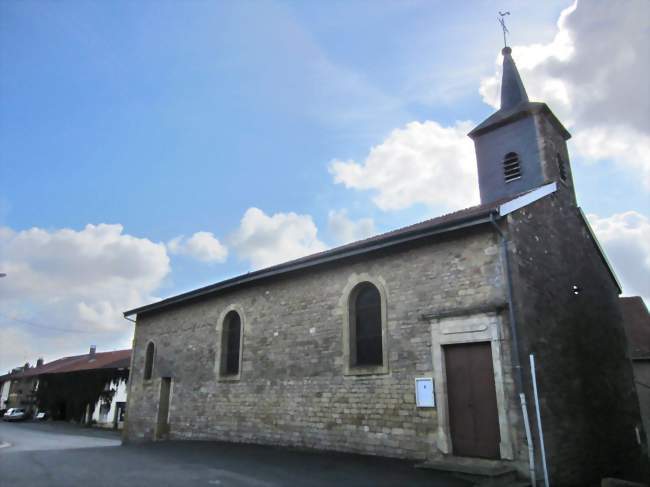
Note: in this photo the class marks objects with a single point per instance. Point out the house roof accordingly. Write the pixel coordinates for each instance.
(520, 110)
(118, 359)
(465, 218)
(636, 321)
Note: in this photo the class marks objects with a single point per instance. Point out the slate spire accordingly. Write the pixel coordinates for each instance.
(512, 88)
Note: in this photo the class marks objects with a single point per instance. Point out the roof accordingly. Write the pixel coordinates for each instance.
(514, 102)
(512, 88)
(442, 224)
(118, 359)
(520, 110)
(636, 321)
(461, 219)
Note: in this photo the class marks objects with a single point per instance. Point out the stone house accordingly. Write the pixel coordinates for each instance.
(20, 385)
(415, 343)
(5, 384)
(87, 388)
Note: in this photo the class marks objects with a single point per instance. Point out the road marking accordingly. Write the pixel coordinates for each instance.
(4, 445)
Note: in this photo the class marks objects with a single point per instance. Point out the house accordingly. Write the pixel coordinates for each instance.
(416, 343)
(89, 388)
(637, 327)
(5, 384)
(20, 388)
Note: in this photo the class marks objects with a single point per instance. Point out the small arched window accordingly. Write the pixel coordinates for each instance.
(561, 167)
(231, 344)
(148, 361)
(366, 326)
(511, 167)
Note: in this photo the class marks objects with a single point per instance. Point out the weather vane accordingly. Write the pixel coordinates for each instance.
(503, 26)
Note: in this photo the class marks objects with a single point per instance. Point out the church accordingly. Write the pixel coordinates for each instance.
(490, 337)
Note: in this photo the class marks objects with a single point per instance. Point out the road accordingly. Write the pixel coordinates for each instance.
(59, 454)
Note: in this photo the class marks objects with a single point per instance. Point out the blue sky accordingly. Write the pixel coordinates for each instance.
(210, 138)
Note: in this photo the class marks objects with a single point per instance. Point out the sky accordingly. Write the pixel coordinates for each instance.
(150, 148)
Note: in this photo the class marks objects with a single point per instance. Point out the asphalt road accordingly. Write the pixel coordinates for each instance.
(59, 454)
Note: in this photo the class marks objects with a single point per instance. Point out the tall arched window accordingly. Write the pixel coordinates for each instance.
(231, 344)
(511, 167)
(366, 329)
(148, 361)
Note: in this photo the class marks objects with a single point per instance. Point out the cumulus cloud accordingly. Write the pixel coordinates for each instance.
(593, 75)
(346, 230)
(78, 282)
(423, 162)
(625, 238)
(202, 246)
(267, 240)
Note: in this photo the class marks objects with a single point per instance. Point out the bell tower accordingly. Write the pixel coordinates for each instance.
(522, 146)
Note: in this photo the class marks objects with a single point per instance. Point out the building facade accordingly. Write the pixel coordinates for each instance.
(416, 343)
(110, 408)
(81, 388)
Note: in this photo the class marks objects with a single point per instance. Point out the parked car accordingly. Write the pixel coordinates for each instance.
(41, 416)
(15, 414)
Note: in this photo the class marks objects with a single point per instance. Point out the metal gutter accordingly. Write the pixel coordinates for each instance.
(331, 256)
(514, 338)
(511, 311)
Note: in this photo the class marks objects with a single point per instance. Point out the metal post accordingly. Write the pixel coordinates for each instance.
(539, 419)
(529, 440)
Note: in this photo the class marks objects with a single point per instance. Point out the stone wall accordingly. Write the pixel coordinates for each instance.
(589, 405)
(293, 388)
(642, 380)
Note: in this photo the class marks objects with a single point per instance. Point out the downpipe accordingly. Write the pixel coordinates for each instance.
(539, 419)
(515, 348)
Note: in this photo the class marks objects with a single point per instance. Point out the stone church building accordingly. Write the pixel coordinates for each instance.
(329, 350)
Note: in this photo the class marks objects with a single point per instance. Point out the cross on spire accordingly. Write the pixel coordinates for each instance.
(502, 21)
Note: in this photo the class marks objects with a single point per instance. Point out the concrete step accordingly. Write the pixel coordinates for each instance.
(483, 475)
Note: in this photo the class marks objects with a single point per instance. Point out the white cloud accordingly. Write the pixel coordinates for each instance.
(423, 162)
(77, 281)
(346, 230)
(594, 76)
(267, 240)
(618, 143)
(202, 246)
(625, 238)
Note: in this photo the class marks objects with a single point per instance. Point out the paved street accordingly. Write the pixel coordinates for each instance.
(58, 454)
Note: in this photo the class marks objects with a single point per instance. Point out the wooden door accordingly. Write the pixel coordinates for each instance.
(473, 415)
(162, 424)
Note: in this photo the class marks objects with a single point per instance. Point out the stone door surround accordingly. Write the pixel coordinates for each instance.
(477, 327)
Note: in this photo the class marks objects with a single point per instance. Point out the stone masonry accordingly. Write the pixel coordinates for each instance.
(293, 389)
(589, 405)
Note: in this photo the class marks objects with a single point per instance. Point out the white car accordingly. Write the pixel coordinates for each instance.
(15, 414)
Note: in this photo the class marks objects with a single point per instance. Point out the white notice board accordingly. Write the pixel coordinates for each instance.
(424, 394)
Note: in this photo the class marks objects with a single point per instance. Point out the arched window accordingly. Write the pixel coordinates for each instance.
(511, 167)
(366, 326)
(148, 361)
(231, 344)
(561, 167)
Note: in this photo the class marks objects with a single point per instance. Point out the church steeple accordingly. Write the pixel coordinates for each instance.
(522, 145)
(512, 88)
